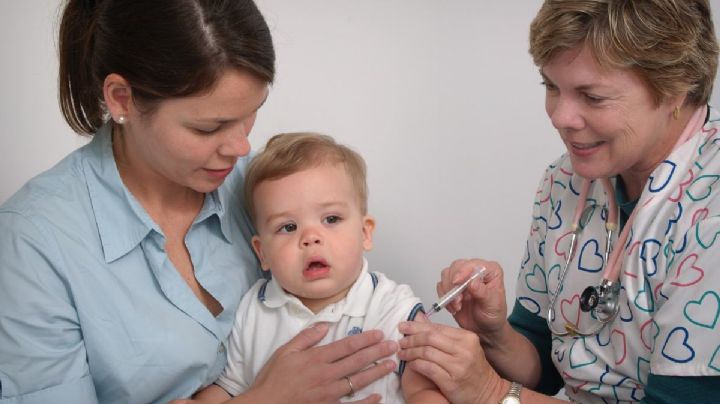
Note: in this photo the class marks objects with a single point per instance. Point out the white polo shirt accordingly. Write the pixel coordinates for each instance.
(268, 317)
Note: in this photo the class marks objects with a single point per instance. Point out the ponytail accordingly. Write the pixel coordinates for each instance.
(79, 91)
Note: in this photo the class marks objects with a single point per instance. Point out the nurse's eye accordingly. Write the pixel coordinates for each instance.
(332, 219)
(593, 99)
(287, 228)
(549, 86)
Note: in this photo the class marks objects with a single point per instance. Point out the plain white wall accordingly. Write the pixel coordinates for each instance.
(441, 98)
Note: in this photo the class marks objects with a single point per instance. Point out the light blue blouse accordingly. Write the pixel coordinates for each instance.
(91, 309)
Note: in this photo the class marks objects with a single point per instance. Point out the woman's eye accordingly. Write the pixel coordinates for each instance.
(332, 219)
(288, 228)
(206, 131)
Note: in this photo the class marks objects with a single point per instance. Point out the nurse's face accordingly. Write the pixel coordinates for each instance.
(607, 118)
(192, 142)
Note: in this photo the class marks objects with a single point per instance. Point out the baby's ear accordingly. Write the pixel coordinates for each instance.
(368, 229)
(257, 246)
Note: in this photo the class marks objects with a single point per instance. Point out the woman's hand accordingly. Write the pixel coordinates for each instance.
(453, 359)
(300, 372)
(481, 308)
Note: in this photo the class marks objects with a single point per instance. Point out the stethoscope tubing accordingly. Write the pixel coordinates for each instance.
(612, 258)
(610, 225)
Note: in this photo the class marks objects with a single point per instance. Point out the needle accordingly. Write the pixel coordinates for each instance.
(454, 292)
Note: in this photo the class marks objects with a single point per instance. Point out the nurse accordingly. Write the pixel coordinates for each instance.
(121, 268)
(627, 85)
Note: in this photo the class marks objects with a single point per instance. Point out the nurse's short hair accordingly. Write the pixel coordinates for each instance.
(288, 153)
(670, 44)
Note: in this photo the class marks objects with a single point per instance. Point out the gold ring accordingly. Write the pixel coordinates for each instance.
(352, 388)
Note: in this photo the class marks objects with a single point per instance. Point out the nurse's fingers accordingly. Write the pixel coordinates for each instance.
(418, 335)
(459, 271)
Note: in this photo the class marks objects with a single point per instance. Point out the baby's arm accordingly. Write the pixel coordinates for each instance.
(417, 388)
(212, 394)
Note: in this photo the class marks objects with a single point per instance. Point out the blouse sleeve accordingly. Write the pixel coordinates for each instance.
(42, 354)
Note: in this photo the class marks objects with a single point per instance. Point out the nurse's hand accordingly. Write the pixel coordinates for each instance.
(300, 372)
(481, 308)
(453, 359)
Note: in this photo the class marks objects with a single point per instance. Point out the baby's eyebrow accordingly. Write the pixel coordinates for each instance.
(276, 216)
(332, 204)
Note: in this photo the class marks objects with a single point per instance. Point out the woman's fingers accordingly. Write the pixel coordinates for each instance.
(366, 376)
(301, 372)
(371, 399)
(351, 345)
(306, 338)
(355, 353)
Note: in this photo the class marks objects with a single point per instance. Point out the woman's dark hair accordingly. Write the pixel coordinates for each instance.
(163, 48)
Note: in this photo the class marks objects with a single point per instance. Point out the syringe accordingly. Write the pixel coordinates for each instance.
(454, 292)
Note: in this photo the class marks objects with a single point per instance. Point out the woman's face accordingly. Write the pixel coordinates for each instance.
(192, 141)
(607, 118)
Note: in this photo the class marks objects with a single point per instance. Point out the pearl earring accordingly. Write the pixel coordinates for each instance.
(121, 120)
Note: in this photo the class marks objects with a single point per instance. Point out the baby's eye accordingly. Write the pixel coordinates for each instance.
(287, 228)
(332, 219)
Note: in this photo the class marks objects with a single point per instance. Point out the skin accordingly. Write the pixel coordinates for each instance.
(312, 217)
(321, 221)
(610, 125)
(169, 159)
(608, 120)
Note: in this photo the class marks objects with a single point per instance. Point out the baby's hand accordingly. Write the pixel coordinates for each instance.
(183, 401)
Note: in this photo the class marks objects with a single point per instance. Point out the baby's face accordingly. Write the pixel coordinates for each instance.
(312, 233)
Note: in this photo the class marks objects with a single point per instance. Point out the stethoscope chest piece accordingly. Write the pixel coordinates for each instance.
(601, 300)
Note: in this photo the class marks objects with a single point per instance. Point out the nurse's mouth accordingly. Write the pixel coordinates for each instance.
(585, 149)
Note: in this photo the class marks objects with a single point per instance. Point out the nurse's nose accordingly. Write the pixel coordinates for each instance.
(564, 113)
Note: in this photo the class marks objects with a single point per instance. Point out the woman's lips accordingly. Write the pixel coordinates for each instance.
(222, 173)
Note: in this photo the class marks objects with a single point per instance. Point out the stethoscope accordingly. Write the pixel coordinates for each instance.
(604, 300)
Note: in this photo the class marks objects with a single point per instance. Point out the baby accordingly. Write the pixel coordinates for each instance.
(307, 196)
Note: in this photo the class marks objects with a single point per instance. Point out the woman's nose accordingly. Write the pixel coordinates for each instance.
(236, 143)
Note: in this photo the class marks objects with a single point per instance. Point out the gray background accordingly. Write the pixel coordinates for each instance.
(441, 97)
